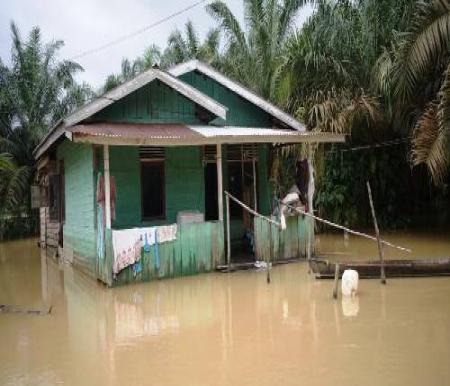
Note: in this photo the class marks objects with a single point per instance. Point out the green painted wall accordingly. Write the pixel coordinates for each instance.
(184, 183)
(124, 166)
(265, 190)
(198, 248)
(153, 103)
(240, 111)
(79, 193)
(276, 244)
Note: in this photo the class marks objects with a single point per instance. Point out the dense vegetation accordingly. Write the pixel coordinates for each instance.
(36, 91)
(378, 70)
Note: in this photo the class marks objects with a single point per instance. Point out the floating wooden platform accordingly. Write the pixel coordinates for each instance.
(10, 309)
(324, 269)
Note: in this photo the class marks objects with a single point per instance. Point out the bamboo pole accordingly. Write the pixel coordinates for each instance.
(336, 281)
(356, 233)
(227, 199)
(377, 232)
(248, 209)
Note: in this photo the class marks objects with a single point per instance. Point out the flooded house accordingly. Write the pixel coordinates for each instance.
(132, 184)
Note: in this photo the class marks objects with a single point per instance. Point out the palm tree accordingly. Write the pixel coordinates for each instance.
(36, 90)
(253, 54)
(181, 49)
(414, 75)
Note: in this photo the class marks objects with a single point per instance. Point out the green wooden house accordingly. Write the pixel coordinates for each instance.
(170, 144)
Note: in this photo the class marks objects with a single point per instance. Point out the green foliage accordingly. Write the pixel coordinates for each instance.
(342, 196)
(36, 90)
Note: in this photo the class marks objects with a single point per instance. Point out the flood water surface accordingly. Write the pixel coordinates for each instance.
(221, 329)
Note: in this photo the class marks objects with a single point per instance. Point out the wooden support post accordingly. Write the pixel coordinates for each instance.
(311, 188)
(219, 182)
(107, 187)
(270, 253)
(227, 199)
(255, 196)
(377, 232)
(336, 281)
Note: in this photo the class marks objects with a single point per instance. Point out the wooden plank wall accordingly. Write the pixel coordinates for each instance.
(198, 248)
(153, 103)
(287, 244)
(79, 227)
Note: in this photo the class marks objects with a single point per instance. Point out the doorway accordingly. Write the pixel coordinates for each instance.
(211, 205)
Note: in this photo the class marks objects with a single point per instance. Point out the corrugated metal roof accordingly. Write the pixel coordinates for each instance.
(136, 131)
(238, 131)
(182, 135)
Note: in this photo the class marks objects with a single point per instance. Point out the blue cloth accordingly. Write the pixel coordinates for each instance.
(157, 262)
(137, 268)
(100, 234)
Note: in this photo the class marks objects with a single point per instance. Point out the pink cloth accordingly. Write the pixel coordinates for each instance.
(127, 246)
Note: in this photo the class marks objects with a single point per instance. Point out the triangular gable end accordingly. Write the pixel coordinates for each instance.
(154, 103)
(252, 110)
(208, 105)
(139, 82)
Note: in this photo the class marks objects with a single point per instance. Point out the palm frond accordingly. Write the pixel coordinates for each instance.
(420, 46)
(431, 135)
(220, 12)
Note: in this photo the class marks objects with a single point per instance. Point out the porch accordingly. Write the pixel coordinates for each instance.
(188, 179)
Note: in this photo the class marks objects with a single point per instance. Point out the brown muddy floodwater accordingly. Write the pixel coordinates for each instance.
(223, 329)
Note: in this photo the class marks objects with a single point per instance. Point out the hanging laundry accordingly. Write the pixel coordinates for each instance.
(148, 236)
(137, 268)
(157, 261)
(127, 246)
(167, 233)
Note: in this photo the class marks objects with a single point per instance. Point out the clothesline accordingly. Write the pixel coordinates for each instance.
(356, 233)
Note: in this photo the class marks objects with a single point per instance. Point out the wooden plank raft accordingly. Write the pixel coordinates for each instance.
(325, 269)
(9, 309)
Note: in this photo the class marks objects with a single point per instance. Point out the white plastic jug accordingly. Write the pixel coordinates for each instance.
(350, 280)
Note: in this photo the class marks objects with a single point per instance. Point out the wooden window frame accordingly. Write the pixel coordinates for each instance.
(160, 161)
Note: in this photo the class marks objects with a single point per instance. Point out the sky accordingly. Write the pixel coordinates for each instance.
(86, 24)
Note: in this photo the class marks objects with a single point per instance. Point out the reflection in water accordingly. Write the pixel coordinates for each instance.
(350, 305)
(219, 329)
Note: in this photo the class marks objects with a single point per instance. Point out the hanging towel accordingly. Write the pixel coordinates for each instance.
(100, 234)
(148, 236)
(127, 246)
(167, 233)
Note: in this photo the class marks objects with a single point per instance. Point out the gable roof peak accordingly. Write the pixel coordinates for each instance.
(236, 87)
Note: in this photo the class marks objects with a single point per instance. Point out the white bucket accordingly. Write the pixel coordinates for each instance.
(350, 280)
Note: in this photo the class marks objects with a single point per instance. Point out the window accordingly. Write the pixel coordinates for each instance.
(152, 185)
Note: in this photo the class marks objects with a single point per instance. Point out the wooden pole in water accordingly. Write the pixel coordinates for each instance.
(227, 200)
(377, 231)
(352, 232)
(336, 281)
